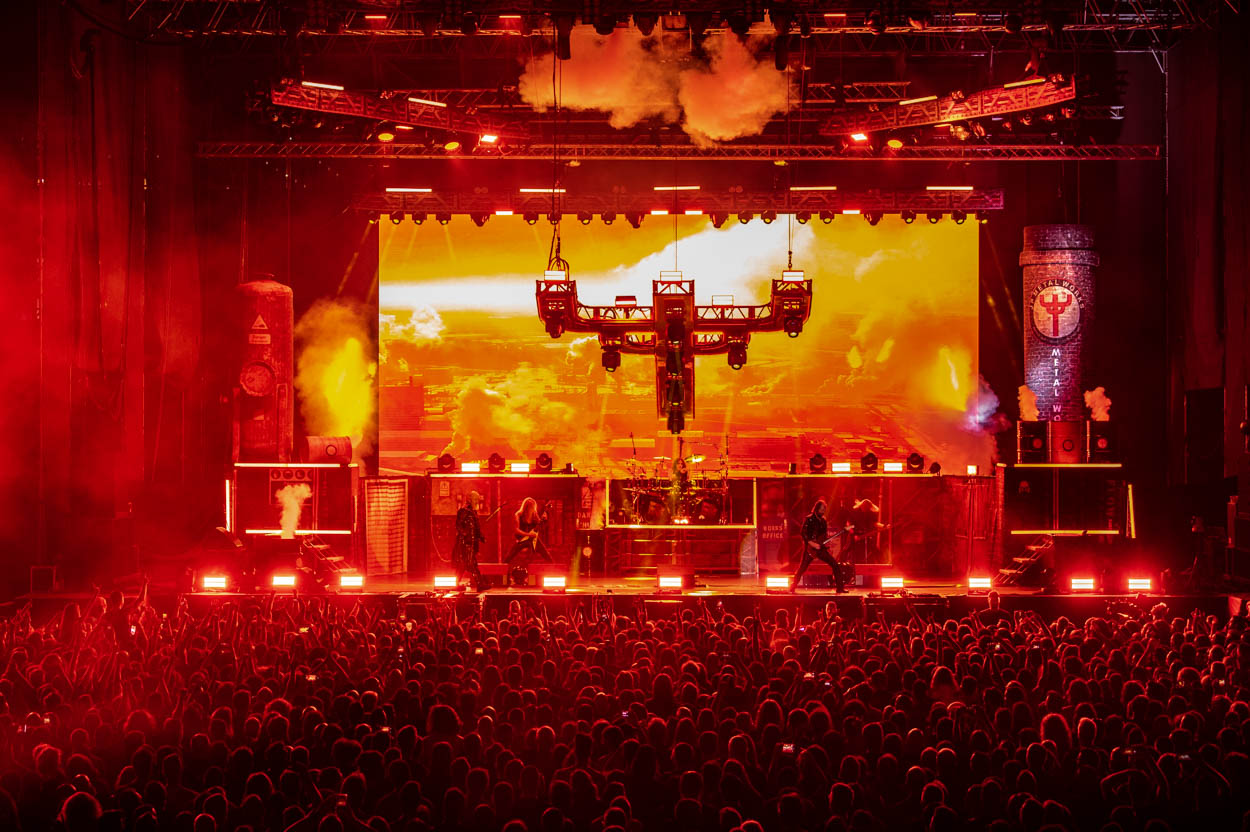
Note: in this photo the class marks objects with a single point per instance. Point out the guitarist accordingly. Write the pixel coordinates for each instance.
(816, 538)
(528, 519)
(469, 539)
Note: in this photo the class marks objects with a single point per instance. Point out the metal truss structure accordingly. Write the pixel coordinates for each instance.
(1034, 94)
(719, 205)
(643, 151)
(968, 25)
(400, 109)
(673, 328)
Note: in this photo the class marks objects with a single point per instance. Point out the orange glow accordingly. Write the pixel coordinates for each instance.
(1082, 584)
(451, 146)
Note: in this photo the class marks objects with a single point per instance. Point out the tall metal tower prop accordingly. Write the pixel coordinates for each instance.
(673, 329)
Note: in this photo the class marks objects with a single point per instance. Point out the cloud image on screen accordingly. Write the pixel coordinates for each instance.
(887, 361)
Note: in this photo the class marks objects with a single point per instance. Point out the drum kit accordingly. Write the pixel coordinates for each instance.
(673, 497)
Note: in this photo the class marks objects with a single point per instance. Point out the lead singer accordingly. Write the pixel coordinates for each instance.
(815, 538)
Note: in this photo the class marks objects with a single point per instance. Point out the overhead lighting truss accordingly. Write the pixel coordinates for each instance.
(883, 200)
(1030, 95)
(398, 108)
(962, 152)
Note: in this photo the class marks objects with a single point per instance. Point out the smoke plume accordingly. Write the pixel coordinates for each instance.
(1098, 403)
(335, 372)
(632, 78)
(1028, 404)
(292, 498)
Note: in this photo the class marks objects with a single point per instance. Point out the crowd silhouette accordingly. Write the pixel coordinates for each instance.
(302, 715)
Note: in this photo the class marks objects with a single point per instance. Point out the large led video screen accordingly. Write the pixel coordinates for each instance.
(887, 361)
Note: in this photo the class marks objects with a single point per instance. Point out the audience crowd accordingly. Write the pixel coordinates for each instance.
(301, 715)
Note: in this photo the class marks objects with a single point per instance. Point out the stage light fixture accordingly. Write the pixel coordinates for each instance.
(443, 219)
(470, 467)
(417, 219)
(892, 467)
(635, 219)
(892, 582)
(468, 24)
(385, 133)
(584, 217)
(646, 23)
(745, 217)
(605, 25)
(479, 219)
(1140, 585)
(959, 217)
(554, 217)
(875, 21)
(446, 464)
(282, 580)
(518, 467)
(803, 217)
(737, 356)
(915, 463)
(934, 217)
(554, 583)
(718, 219)
(669, 583)
(397, 217)
(859, 137)
(738, 23)
(1082, 584)
(817, 463)
(979, 582)
(451, 146)
(608, 217)
(1013, 23)
(777, 583)
(496, 463)
(826, 217)
(983, 217)
(488, 138)
(530, 217)
(873, 217)
(935, 468)
(908, 216)
(868, 463)
(611, 359)
(445, 582)
(351, 581)
(214, 582)
(894, 143)
(919, 19)
(544, 463)
(768, 216)
(972, 470)
(792, 325)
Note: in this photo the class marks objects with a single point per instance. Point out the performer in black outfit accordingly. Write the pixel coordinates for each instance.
(528, 519)
(469, 538)
(815, 538)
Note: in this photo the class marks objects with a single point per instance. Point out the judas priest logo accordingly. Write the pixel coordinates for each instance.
(1056, 309)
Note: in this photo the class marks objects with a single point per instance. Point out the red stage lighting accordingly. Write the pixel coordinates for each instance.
(1082, 584)
(1140, 585)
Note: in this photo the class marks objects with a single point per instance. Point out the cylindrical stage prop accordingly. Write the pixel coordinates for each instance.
(265, 404)
(1058, 263)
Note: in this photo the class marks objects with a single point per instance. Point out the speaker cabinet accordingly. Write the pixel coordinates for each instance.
(1101, 444)
(1031, 442)
(1066, 441)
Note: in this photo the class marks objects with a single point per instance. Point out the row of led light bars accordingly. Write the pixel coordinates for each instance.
(782, 583)
(280, 580)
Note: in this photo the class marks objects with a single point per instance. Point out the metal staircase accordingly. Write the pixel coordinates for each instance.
(1029, 567)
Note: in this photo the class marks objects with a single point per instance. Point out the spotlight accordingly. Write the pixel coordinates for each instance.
(564, 30)
(737, 356)
(891, 582)
(793, 326)
(468, 24)
(611, 359)
(446, 582)
(979, 582)
(544, 463)
(554, 583)
(959, 217)
(777, 583)
(739, 23)
(803, 217)
(608, 217)
(817, 464)
(768, 216)
(745, 217)
(892, 467)
(417, 219)
(479, 219)
(972, 470)
(826, 217)
(554, 327)
(908, 216)
(584, 217)
(1013, 23)
(554, 217)
(443, 219)
(935, 468)
(496, 463)
(873, 217)
(875, 20)
(1082, 584)
(983, 217)
(446, 464)
(934, 217)
(718, 219)
(470, 467)
(385, 133)
(859, 137)
(635, 219)
(894, 143)
(451, 146)
(646, 23)
(530, 217)
(211, 582)
(868, 463)
(915, 463)
(605, 25)
(397, 217)
(283, 580)
(349, 581)
(919, 19)
(669, 583)
(1140, 584)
